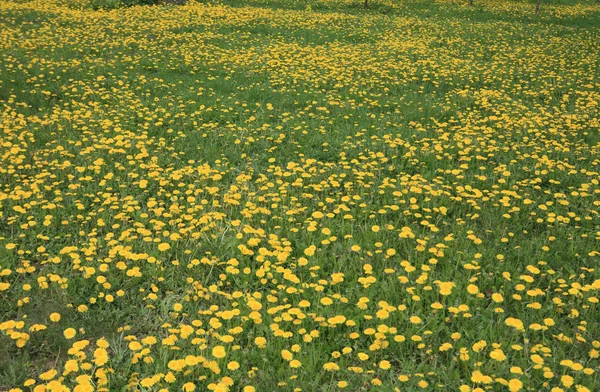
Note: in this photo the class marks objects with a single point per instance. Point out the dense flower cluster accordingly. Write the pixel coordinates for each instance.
(236, 199)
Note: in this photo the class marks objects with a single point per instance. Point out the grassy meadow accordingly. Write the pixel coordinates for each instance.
(275, 195)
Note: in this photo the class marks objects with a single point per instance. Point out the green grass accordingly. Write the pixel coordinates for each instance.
(233, 125)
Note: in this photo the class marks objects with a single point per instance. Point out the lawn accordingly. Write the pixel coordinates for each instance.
(300, 196)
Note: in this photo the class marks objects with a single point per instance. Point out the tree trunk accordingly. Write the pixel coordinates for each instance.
(537, 7)
(471, 2)
(366, 3)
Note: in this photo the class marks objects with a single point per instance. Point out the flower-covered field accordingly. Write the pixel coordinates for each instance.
(300, 197)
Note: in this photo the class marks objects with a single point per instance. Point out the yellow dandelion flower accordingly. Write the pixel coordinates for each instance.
(218, 352)
(295, 363)
(164, 246)
(69, 333)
